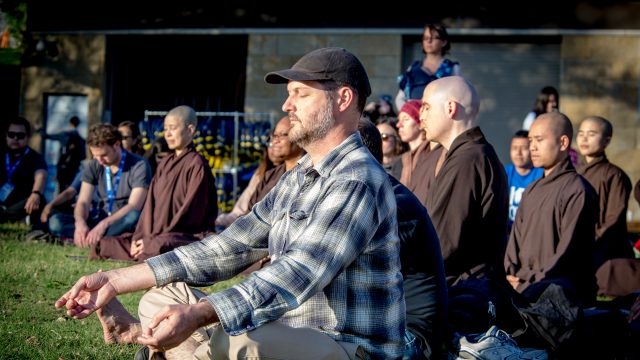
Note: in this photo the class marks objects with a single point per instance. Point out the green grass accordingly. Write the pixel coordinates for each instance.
(33, 275)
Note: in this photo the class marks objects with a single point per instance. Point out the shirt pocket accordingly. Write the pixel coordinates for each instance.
(290, 224)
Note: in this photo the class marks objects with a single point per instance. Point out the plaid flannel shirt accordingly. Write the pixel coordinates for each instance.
(331, 232)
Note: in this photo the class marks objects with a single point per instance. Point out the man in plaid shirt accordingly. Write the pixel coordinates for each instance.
(333, 288)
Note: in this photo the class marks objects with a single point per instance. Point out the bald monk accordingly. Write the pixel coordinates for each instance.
(468, 199)
(612, 185)
(181, 204)
(554, 231)
(468, 204)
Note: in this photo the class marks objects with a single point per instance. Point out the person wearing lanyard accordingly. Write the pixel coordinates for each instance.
(23, 176)
(121, 179)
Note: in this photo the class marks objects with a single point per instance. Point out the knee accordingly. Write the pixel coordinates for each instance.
(132, 217)
(55, 224)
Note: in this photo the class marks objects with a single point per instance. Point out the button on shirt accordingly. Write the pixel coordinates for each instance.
(331, 231)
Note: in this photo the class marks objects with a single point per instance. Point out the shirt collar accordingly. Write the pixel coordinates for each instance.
(329, 162)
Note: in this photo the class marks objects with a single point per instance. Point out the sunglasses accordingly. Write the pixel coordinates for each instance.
(386, 136)
(16, 135)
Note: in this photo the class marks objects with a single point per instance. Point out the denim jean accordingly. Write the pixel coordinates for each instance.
(413, 347)
(63, 225)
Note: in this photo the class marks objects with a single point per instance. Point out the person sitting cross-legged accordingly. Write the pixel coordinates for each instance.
(333, 288)
(121, 180)
(181, 203)
(549, 257)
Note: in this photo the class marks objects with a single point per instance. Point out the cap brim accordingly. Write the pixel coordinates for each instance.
(284, 76)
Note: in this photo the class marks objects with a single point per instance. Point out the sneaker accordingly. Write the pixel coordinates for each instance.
(496, 344)
(35, 235)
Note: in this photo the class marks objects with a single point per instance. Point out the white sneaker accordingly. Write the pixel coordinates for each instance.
(496, 344)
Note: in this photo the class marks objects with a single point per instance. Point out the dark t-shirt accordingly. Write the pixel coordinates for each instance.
(23, 176)
(136, 173)
(425, 289)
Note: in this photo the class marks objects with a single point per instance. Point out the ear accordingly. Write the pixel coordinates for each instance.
(565, 142)
(450, 108)
(345, 98)
(192, 129)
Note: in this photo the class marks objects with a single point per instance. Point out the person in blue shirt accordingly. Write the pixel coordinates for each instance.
(520, 173)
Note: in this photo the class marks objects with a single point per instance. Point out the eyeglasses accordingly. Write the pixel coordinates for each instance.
(275, 136)
(386, 137)
(434, 38)
(127, 137)
(16, 135)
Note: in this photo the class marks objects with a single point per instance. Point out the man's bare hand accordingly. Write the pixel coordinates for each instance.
(514, 281)
(97, 233)
(32, 204)
(137, 246)
(88, 294)
(175, 323)
(80, 234)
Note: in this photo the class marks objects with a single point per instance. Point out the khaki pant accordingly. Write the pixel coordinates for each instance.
(270, 341)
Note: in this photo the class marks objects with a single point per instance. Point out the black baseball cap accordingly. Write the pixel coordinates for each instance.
(324, 64)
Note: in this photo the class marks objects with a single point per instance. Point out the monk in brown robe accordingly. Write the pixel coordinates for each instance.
(553, 234)
(618, 273)
(181, 204)
(467, 201)
(612, 185)
(468, 198)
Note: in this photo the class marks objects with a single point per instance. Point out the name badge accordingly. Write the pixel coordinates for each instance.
(6, 190)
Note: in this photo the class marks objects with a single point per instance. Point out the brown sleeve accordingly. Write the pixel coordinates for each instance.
(616, 211)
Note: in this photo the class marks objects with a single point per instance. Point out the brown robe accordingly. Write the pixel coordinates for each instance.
(553, 234)
(181, 203)
(468, 206)
(409, 161)
(636, 192)
(613, 187)
(424, 172)
(619, 277)
(270, 180)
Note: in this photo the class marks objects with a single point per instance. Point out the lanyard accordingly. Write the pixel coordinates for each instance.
(12, 169)
(111, 190)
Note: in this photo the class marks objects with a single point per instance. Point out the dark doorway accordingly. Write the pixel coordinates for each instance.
(159, 72)
(9, 91)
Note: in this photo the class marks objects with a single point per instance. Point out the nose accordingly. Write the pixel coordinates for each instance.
(288, 105)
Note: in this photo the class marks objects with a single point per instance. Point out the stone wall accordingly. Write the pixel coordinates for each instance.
(380, 55)
(600, 76)
(78, 67)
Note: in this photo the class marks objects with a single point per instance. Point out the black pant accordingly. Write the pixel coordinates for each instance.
(16, 212)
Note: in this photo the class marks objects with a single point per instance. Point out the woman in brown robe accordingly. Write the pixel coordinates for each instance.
(181, 203)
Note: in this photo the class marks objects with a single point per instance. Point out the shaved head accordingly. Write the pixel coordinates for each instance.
(461, 91)
(184, 113)
(449, 108)
(558, 123)
(605, 125)
(550, 140)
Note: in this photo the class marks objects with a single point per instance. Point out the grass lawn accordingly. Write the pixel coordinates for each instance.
(32, 276)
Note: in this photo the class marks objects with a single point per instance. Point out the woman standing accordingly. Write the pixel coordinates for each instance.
(434, 65)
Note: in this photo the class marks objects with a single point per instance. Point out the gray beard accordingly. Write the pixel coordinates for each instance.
(320, 124)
